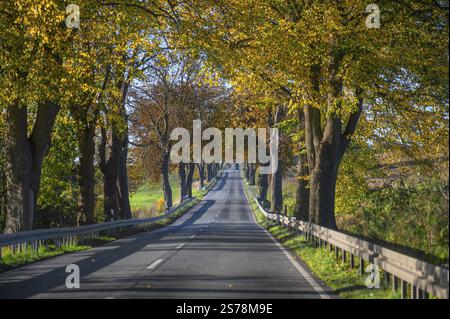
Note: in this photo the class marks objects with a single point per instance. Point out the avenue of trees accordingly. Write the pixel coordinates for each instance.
(84, 109)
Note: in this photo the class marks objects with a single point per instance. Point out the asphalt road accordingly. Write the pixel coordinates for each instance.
(216, 250)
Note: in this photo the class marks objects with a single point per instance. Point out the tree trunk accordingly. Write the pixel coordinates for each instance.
(209, 171)
(201, 173)
(183, 182)
(19, 199)
(123, 196)
(165, 182)
(277, 177)
(189, 179)
(313, 135)
(24, 159)
(323, 185)
(263, 179)
(302, 194)
(263, 187)
(86, 178)
(277, 190)
(122, 181)
(326, 148)
(247, 171)
(252, 174)
(109, 165)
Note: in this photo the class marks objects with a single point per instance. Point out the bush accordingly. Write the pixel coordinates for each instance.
(413, 215)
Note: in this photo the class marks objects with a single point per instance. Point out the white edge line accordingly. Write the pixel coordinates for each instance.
(155, 264)
(316, 286)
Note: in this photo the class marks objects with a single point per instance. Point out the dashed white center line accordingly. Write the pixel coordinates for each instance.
(155, 264)
(109, 298)
(180, 246)
(193, 236)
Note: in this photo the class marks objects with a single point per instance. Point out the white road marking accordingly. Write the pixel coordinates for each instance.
(180, 246)
(193, 236)
(109, 298)
(155, 264)
(300, 269)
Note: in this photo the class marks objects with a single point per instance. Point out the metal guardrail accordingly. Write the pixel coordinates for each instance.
(402, 271)
(34, 239)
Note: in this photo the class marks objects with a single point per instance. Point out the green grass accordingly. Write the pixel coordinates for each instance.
(145, 198)
(344, 281)
(10, 261)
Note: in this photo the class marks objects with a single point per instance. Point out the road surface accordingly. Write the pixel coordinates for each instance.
(216, 250)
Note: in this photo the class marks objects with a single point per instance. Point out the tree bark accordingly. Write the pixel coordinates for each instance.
(263, 179)
(122, 181)
(302, 193)
(183, 181)
(109, 164)
(86, 179)
(323, 178)
(252, 174)
(24, 159)
(165, 181)
(201, 173)
(247, 171)
(277, 177)
(189, 179)
(209, 172)
(263, 188)
(277, 190)
(123, 196)
(18, 169)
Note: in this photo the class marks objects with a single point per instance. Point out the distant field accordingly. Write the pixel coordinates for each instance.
(148, 200)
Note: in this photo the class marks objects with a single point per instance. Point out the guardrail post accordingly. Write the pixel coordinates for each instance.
(352, 261)
(336, 251)
(344, 257)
